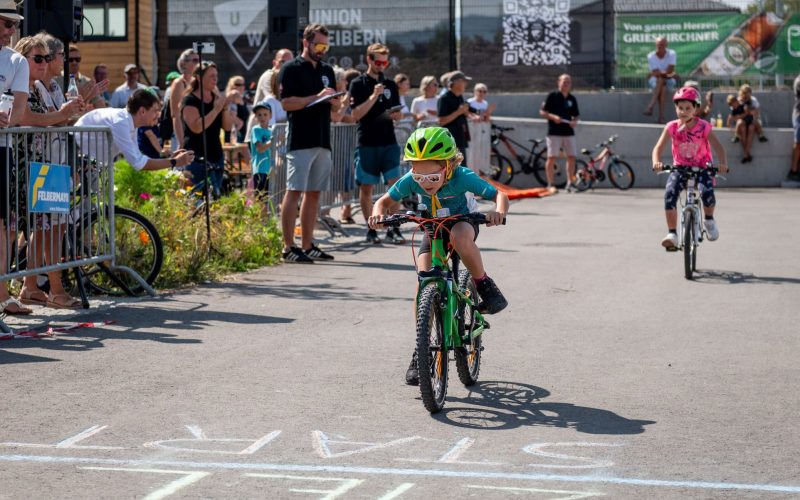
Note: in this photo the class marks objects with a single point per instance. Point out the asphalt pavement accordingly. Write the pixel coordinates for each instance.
(608, 375)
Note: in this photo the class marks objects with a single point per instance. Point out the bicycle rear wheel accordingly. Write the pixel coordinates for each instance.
(621, 175)
(431, 349)
(468, 356)
(138, 246)
(501, 169)
(689, 245)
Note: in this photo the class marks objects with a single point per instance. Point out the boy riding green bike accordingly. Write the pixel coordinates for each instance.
(437, 176)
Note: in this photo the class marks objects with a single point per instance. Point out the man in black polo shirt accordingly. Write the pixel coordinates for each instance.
(377, 154)
(561, 111)
(454, 110)
(303, 81)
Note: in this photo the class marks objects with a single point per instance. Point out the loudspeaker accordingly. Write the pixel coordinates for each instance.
(287, 20)
(61, 18)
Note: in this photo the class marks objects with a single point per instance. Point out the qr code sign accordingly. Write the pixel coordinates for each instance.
(536, 32)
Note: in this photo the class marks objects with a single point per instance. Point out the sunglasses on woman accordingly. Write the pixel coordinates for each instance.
(431, 178)
(40, 59)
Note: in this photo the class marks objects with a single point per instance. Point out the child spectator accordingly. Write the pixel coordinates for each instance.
(260, 143)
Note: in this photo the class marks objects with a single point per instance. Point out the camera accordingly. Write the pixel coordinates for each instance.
(204, 47)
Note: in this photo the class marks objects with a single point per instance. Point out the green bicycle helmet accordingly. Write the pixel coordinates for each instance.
(431, 143)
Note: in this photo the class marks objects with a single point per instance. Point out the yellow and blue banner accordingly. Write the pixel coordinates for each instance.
(48, 189)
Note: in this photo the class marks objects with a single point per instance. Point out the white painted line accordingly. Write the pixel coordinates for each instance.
(457, 450)
(54, 446)
(347, 484)
(321, 442)
(260, 443)
(397, 491)
(573, 495)
(587, 463)
(196, 431)
(388, 471)
(91, 431)
(166, 490)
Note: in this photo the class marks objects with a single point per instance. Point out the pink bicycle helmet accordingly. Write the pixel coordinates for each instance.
(687, 94)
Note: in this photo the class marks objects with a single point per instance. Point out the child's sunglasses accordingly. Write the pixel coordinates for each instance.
(431, 178)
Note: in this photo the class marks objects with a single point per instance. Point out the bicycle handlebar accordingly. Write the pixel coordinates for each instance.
(691, 170)
(400, 219)
(501, 129)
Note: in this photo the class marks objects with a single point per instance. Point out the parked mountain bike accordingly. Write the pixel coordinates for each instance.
(447, 315)
(620, 172)
(531, 161)
(690, 225)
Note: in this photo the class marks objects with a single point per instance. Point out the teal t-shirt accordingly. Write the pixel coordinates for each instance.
(259, 161)
(452, 195)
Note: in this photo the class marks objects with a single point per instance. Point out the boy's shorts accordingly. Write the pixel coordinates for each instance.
(555, 143)
(425, 244)
(372, 162)
(308, 169)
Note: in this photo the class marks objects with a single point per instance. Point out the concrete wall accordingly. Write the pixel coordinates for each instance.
(768, 169)
(626, 107)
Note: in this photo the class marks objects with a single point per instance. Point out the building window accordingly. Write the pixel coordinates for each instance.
(105, 20)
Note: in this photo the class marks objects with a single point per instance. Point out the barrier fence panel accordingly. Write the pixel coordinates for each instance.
(57, 202)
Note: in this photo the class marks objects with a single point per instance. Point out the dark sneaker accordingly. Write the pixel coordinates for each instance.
(315, 253)
(735, 139)
(372, 236)
(492, 300)
(763, 138)
(793, 176)
(297, 256)
(394, 235)
(412, 374)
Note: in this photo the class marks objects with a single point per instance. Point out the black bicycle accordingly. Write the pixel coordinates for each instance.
(532, 161)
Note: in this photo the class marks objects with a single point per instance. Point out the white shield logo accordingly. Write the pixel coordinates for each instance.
(243, 17)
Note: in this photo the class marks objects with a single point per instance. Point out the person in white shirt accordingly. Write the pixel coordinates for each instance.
(424, 107)
(264, 86)
(14, 75)
(479, 103)
(662, 76)
(121, 94)
(143, 109)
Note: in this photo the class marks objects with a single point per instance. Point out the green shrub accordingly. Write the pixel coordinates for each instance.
(243, 236)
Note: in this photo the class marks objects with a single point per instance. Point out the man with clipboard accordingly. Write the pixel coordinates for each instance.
(375, 102)
(307, 85)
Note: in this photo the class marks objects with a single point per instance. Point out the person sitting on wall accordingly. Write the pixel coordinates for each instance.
(662, 76)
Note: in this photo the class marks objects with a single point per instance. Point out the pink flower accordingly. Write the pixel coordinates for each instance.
(145, 196)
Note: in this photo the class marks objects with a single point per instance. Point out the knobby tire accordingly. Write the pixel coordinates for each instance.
(431, 363)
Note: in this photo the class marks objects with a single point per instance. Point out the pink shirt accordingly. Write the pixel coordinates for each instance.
(690, 148)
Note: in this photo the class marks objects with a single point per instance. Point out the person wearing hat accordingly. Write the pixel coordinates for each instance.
(453, 110)
(14, 75)
(120, 96)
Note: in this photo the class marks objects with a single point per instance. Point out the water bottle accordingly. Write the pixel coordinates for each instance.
(234, 135)
(72, 93)
(719, 120)
(6, 102)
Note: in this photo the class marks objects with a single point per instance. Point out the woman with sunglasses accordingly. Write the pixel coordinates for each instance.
(424, 107)
(42, 147)
(479, 103)
(234, 90)
(217, 118)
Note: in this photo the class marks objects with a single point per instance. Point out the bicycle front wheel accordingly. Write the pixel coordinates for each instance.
(501, 169)
(138, 246)
(621, 175)
(689, 245)
(431, 349)
(468, 356)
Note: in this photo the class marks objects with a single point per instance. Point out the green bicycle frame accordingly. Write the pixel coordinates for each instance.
(442, 276)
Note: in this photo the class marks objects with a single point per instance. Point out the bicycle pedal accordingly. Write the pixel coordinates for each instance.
(486, 325)
(672, 249)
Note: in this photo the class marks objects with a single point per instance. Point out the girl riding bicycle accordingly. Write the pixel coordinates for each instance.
(692, 142)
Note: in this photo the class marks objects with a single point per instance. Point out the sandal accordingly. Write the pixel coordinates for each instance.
(34, 298)
(17, 310)
(64, 302)
(347, 220)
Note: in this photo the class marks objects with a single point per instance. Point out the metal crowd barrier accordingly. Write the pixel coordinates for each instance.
(57, 187)
(342, 189)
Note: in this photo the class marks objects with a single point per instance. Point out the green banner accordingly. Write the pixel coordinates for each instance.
(712, 44)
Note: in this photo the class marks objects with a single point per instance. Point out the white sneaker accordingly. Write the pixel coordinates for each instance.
(670, 241)
(711, 229)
